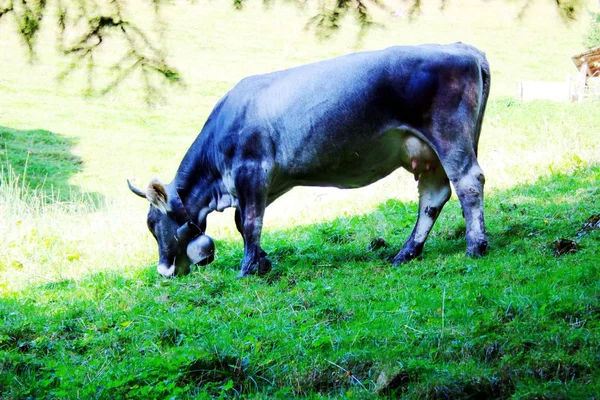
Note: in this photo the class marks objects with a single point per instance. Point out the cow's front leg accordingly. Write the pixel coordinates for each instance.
(254, 257)
(434, 192)
(252, 196)
(239, 226)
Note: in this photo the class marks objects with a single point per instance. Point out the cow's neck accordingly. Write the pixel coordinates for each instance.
(200, 191)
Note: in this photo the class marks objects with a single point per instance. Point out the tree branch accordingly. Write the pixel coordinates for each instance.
(93, 22)
(141, 52)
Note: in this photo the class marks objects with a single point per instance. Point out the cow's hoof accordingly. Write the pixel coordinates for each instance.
(406, 254)
(477, 249)
(264, 266)
(261, 267)
(403, 257)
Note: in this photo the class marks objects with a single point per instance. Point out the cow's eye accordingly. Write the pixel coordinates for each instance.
(151, 224)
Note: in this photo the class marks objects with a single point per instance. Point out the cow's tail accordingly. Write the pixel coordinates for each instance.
(485, 92)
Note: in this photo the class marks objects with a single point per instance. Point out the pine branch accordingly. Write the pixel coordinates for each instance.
(93, 22)
(142, 53)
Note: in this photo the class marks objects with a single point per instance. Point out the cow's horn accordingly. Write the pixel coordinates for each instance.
(136, 190)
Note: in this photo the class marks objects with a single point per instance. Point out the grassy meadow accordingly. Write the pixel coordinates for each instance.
(84, 314)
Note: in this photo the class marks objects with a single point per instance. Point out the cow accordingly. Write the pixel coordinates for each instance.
(345, 122)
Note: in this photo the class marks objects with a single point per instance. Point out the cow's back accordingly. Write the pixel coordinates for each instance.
(319, 116)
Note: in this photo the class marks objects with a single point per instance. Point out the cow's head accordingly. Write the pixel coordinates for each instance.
(181, 242)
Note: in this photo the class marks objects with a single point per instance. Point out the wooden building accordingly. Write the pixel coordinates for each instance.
(588, 64)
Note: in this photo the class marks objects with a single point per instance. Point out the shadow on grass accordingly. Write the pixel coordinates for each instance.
(41, 160)
(523, 218)
(492, 350)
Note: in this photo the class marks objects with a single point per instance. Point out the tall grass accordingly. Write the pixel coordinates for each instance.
(47, 238)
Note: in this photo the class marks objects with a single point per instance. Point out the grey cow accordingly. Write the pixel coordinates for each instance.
(344, 122)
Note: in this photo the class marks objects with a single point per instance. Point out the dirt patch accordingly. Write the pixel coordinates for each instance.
(592, 223)
(563, 246)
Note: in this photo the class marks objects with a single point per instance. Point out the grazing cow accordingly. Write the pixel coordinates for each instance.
(344, 122)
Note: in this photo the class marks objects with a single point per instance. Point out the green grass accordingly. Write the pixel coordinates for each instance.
(83, 313)
(44, 163)
(520, 321)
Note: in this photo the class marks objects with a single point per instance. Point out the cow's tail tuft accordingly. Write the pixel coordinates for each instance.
(485, 92)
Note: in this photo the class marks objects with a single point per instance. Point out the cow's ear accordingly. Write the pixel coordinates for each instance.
(157, 195)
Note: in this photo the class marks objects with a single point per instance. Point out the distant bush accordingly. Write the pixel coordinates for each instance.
(592, 38)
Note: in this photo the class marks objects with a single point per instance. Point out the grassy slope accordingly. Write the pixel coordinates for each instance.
(520, 321)
(85, 315)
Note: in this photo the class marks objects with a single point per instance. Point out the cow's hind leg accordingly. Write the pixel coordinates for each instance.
(468, 182)
(434, 192)
(456, 152)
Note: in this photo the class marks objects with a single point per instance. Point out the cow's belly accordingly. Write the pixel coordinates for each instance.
(358, 166)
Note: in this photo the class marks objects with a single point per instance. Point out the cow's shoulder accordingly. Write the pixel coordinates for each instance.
(251, 85)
